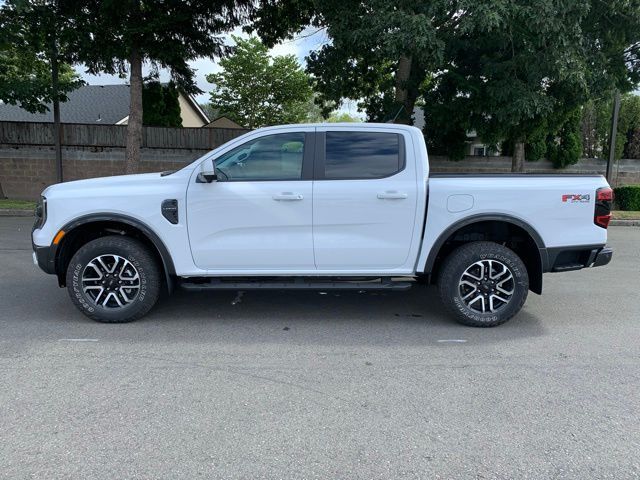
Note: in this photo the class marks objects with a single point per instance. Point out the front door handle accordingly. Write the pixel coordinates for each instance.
(287, 197)
(389, 195)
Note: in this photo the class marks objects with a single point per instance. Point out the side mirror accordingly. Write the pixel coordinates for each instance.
(207, 172)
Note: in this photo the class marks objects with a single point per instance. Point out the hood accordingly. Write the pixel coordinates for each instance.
(96, 185)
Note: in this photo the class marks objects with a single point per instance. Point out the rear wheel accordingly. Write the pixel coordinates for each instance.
(483, 284)
(114, 279)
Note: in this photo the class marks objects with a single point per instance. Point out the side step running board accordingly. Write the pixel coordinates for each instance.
(217, 284)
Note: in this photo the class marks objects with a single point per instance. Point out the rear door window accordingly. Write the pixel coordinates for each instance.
(362, 155)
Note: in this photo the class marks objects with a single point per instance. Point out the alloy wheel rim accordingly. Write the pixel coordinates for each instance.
(487, 286)
(111, 281)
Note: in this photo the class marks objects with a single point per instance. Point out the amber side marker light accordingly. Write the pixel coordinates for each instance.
(58, 237)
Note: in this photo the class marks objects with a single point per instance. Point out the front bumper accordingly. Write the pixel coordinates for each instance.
(45, 258)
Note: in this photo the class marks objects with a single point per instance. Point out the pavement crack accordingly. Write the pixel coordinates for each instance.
(298, 386)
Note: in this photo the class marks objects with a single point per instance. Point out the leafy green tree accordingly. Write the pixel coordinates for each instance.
(343, 117)
(160, 105)
(35, 58)
(34, 44)
(501, 67)
(596, 123)
(380, 50)
(517, 67)
(255, 89)
(119, 36)
(314, 112)
(628, 123)
(632, 148)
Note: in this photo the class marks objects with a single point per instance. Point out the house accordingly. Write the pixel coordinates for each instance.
(475, 146)
(101, 104)
(224, 122)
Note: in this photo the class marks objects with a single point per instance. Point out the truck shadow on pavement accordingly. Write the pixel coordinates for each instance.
(333, 318)
(412, 317)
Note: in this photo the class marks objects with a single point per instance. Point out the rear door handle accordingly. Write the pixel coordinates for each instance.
(287, 197)
(392, 195)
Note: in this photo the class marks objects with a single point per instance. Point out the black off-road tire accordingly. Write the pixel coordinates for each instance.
(150, 278)
(464, 257)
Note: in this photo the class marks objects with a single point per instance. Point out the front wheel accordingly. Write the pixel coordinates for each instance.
(483, 284)
(114, 279)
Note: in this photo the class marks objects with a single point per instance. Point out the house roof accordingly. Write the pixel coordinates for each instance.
(224, 120)
(105, 104)
(98, 104)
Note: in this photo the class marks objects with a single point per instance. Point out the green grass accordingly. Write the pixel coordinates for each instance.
(7, 204)
(626, 215)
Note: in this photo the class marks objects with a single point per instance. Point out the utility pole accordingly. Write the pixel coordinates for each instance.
(55, 84)
(56, 112)
(612, 136)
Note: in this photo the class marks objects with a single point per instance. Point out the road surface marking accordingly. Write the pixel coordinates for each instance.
(78, 340)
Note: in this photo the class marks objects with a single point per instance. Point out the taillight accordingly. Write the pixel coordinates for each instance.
(602, 213)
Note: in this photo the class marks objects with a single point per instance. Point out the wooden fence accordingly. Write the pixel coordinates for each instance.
(89, 135)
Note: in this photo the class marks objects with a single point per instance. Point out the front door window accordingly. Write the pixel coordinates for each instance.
(272, 157)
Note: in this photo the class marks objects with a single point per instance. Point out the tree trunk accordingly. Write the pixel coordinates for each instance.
(57, 130)
(517, 161)
(2, 195)
(405, 99)
(134, 126)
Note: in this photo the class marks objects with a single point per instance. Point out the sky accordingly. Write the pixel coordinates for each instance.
(300, 46)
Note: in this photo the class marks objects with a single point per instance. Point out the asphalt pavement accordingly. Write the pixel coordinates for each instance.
(307, 385)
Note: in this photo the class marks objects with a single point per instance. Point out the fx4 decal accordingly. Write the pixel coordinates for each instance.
(573, 198)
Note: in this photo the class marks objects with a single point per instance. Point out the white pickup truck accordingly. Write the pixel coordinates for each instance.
(339, 206)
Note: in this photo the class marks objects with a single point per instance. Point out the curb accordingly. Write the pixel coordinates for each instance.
(14, 212)
(624, 223)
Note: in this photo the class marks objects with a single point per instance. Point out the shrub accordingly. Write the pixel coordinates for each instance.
(536, 147)
(628, 197)
(567, 148)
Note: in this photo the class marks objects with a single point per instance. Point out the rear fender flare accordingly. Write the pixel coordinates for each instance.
(537, 238)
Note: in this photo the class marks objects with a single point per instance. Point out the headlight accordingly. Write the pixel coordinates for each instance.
(41, 212)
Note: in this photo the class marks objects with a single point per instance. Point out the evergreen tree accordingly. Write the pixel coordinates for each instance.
(160, 105)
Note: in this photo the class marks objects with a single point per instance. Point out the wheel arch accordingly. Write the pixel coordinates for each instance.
(495, 227)
(84, 229)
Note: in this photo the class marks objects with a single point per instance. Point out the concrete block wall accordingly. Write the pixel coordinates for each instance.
(27, 170)
(625, 172)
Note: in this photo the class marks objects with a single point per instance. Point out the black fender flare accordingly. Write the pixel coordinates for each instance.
(154, 238)
(482, 217)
